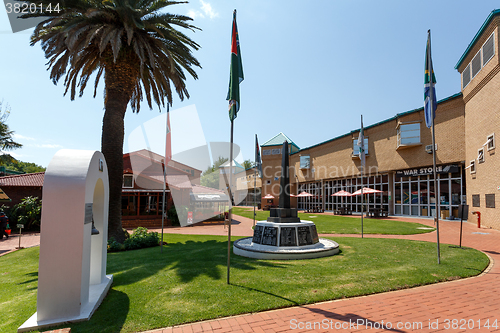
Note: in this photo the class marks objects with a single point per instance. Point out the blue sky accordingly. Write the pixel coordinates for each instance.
(311, 69)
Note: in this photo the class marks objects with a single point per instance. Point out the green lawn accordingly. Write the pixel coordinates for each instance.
(334, 224)
(188, 281)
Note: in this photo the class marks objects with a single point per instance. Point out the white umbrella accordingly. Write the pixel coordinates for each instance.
(366, 190)
(304, 194)
(342, 194)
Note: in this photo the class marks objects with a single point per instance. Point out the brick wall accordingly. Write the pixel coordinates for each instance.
(147, 223)
(482, 118)
(17, 193)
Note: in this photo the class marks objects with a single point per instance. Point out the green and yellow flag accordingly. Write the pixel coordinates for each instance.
(236, 73)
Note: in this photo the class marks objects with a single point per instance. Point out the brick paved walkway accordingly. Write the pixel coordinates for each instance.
(456, 306)
(9, 245)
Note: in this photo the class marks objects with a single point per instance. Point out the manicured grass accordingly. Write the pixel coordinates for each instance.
(188, 281)
(334, 224)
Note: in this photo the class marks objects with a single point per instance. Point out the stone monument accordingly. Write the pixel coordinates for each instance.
(72, 280)
(284, 235)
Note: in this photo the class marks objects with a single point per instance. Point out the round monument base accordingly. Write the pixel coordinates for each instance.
(246, 248)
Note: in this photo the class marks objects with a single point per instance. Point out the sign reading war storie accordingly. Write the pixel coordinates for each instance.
(441, 169)
(16, 9)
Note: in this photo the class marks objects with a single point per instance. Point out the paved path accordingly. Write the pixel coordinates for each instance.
(10, 245)
(456, 306)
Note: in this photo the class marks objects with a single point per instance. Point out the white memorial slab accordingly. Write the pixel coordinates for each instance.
(72, 280)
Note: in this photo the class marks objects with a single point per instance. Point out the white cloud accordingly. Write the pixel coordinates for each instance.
(194, 14)
(16, 156)
(46, 145)
(206, 11)
(22, 137)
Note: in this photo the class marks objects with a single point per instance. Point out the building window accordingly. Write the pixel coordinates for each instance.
(128, 181)
(476, 64)
(489, 49)
(409, 134)
(490, 143)
(476, 201)
(355, 147)
(466, 76)
(480, 155)
(305, 162)
(482, 57)
(490, 200)
(472, 166)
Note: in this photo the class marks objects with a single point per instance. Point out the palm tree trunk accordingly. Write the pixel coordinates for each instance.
(119, 86)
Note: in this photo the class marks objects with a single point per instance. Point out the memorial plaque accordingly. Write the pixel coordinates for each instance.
(257, 234)
(304, 236)
(270, 236)
(88, 213)
(287, 236)
(314, 234)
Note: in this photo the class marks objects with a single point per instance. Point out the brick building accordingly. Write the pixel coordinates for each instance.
(479, 67)
(399, 162)
(17, 187)
(142, 191)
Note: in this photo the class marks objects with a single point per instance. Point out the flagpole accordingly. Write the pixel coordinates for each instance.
(254, 192)
(230, 213)
(168, 157)
(163, 202)
(362, 169)
(431, 105)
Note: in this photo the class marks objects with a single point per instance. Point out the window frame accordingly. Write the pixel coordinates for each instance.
(398, 135)
(468, 70)
(473, 166)
(127, 176)
(354, 144)
(480, 155)
(491, 144)
(492, 37)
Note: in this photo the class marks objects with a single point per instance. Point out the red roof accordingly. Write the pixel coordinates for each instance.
(27, 179)
(206, 190)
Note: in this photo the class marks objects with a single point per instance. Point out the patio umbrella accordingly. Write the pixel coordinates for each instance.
(304, 194)
(342, 194)
(366, 190)
(269, 196)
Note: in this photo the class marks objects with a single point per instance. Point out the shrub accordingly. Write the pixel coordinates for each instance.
(27, 212)
(139, 239)
(114, 246)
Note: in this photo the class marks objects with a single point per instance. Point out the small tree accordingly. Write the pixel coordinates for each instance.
(6, 141)
(210, 177)
(28, 212)
(247, 164)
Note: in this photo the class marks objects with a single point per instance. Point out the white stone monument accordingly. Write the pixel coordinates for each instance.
(72, 280)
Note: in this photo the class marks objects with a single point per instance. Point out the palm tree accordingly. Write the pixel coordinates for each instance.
(138, 49)
(6, 140)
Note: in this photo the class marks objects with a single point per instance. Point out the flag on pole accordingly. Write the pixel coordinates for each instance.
(361, 144)
(168, 147)
(429, 86)
(235, 74)
(258, 161)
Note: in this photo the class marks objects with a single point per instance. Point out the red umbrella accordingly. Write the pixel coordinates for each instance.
(342, 194)
(304, 194)
(366, 190)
